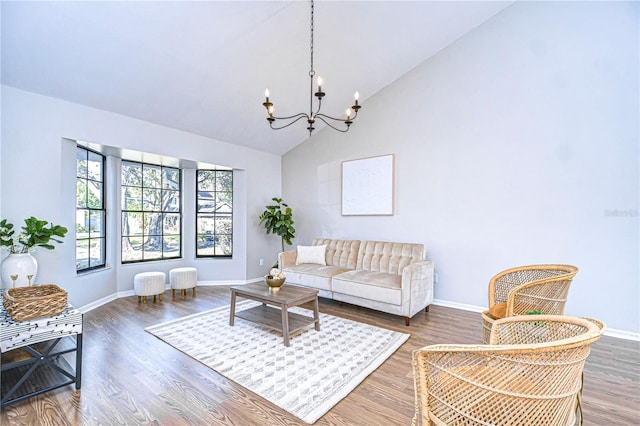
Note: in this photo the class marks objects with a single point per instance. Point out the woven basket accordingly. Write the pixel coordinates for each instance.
(25, 303)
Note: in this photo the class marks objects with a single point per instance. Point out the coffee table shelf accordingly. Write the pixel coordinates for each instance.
(280, 319)
(272, 318)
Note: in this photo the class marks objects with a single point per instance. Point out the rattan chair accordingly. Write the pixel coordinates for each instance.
(516, 291)
(530, 374)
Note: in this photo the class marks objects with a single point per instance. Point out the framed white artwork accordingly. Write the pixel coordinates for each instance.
(367, 186)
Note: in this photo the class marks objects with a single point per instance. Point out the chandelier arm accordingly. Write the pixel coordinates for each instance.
(333, 118)
(287, 125)
(319, 107)
(330, 125)
(299, 116)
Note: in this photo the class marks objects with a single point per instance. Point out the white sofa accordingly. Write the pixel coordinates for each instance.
(385, 276)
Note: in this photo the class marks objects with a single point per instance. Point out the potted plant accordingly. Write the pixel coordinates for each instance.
(20, 267)
(278, 219)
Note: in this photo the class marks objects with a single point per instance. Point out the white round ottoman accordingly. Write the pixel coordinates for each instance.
(149, 284)
(182, 279)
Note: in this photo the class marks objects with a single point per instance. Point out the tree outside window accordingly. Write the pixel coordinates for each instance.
(151, 212)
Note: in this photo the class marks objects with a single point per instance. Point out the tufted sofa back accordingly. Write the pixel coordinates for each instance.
(390, 258)
(343, 253)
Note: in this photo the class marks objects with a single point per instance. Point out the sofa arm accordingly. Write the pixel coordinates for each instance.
(286, 259)
(417, 287)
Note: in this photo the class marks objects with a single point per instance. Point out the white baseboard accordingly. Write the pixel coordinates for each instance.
(611, 332)
(620, 334)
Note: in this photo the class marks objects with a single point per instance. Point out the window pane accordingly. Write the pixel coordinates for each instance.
(223, 226)
(206, 180)
(131, 174)
(82, 254)
(153, 247)
(96, 252)
(171, 179)
(82, 224)
(206, 202)
(151, 176)
(81, 193)
(81, 163)
(132, 223)
(152, 224)
(96, 224)
(224, 181)
(151, 200)
(171, 201)
(223, 245)
(223, 202)
(172, 246)
(171, 224)
(131, 198)
(94, 194)
(94, 166)
(204, 246)
(131, 249)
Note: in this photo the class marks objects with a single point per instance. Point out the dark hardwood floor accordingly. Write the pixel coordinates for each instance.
(132, 378)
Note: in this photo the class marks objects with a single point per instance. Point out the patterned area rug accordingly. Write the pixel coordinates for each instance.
(314, 373)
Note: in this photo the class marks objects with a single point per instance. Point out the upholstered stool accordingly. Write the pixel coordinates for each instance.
(182, 279)
(149, 284)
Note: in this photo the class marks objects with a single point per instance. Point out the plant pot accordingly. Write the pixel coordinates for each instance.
(22, 265)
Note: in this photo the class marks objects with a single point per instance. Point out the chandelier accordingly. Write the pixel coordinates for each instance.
(333, 122)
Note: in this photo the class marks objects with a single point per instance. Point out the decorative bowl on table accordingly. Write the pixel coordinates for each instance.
(275, 278)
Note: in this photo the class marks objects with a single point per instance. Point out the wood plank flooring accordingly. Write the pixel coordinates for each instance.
(132, 378)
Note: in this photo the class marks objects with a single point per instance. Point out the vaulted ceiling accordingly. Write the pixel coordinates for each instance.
(203, 66)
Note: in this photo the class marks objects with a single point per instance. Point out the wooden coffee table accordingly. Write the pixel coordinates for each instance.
(281, 319)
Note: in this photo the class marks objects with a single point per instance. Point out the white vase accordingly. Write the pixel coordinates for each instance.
(20, 264)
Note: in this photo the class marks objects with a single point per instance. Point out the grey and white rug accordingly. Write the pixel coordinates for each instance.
(314, 373)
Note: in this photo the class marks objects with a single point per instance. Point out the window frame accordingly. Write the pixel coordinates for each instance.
(214, 215)
(142, 211)
(102, 210)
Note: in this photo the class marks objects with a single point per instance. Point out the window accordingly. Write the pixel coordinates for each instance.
(151, 212)
(214, 213)
(90, 210)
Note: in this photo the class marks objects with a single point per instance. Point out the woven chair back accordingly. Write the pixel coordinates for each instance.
(531, 376)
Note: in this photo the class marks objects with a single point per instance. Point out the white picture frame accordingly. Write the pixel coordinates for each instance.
(368, 186)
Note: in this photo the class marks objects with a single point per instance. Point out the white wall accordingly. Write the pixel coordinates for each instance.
(516, 145)
(38, 178)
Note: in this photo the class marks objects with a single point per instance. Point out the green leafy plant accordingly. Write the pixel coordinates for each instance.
(278, 219)
(35, 233)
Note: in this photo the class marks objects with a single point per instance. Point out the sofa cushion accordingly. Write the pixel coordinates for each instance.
(312, 275)
(378, 286)
(390, 258)
(311, 254)
(342, 253)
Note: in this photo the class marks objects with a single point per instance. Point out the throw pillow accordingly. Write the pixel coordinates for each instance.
(311, 254)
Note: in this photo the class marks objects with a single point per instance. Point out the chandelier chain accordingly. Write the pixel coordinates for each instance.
(311, 71)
